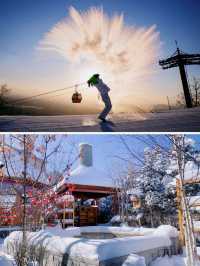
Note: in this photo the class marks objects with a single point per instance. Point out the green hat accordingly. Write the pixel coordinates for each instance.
(93, 80)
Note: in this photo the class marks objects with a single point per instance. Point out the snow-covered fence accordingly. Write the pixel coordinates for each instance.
(68, 247)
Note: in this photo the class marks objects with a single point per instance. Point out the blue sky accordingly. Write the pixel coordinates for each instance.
(107, 147)
(108, 150)
(24, 22)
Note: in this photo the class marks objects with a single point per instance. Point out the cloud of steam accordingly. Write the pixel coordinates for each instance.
(93, 42)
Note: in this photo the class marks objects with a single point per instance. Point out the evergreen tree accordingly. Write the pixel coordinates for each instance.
(152, 185)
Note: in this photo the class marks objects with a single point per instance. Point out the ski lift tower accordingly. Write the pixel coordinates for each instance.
(181, 59)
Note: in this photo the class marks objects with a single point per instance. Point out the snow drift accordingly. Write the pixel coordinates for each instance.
(59, 243)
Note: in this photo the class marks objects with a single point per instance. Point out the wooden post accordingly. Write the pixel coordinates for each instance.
(180, 211)
(188, 98)
(168, 102)
(64, 214)
(73, 213)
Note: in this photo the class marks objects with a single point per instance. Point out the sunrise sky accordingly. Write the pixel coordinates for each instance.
(24, 23)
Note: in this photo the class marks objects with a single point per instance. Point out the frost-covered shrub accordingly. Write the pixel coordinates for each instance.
(105, 209)
(33, 252)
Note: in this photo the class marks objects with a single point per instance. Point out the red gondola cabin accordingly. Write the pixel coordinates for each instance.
(76, 97)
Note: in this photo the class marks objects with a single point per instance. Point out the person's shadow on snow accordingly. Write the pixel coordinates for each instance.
(107, 127)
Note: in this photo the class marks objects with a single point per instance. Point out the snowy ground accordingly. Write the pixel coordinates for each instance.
(170, 261)
(5, 260)
(186, 120)
(59, 241)
(132, 260)
(173, 261)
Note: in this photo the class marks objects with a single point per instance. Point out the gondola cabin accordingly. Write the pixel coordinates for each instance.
(76, 97)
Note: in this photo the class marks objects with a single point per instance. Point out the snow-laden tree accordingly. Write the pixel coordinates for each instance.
(191, 162)
(185, 158)
(151, 181)
(105, 208)
(126, 183)
(159, 197)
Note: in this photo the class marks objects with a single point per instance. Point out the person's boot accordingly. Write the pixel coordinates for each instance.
(102, 119)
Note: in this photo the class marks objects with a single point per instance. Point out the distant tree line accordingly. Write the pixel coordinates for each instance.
(4, 92)
(195, 93)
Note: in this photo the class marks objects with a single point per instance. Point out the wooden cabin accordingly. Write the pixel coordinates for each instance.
(81, 215)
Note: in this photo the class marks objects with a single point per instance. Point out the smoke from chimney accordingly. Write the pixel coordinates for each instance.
(86, 158)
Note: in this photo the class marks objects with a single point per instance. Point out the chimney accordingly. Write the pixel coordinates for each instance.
(86, 158)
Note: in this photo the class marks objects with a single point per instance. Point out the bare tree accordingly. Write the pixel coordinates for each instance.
(125, 183)
(4, 90)
(30, 157)
(195, 89)
(180, 100)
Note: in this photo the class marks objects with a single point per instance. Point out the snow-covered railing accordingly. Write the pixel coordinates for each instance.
(67, 221)
(66, 210)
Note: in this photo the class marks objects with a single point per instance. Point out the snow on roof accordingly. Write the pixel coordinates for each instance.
(194, 200)
(191, 172)
(172, 183)
(194, 203)
(84, 175)
(196, 224)
(135, 191)
(89, 176)
(7, 199)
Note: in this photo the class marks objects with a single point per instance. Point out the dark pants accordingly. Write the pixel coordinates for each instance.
(108, 106)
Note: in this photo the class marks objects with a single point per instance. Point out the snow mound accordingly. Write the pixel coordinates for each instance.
(166, 230)
(6, 260)
(92, 249)
(196, 224)
(76, 231)
(118, 219)
(170, 261)
(58, 231)
(115, 219)
(134, 260)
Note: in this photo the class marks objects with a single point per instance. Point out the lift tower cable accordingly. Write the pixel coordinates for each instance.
(26, 99)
